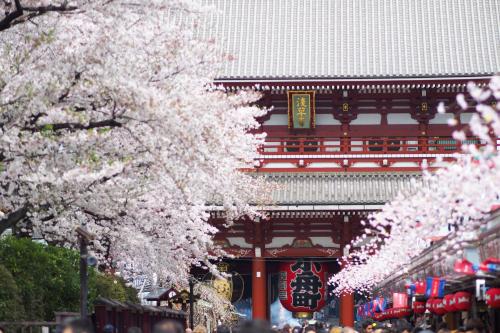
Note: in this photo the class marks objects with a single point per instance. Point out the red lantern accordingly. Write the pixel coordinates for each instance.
(302, 286)
(399, 300)
(462, 301)
(439, 307)
(419, 307)
(449, 303)
(493, 298)
(429, 305)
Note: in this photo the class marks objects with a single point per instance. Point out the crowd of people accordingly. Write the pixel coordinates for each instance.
(367, 326)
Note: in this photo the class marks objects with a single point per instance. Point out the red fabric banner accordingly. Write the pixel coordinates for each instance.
(399, 300)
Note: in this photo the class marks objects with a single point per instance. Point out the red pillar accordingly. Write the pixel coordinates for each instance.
(259, 290)
(347, 310)
(346, 300)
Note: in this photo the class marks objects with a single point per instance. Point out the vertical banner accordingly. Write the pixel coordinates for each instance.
(435, 287)
(399, 300)
(301, 110)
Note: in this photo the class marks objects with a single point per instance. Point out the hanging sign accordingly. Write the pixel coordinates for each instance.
(420, 287)
(367, 310)
(303, 285)
(490, 265)
(434, 287)
(399, 300)
(381, 304)
(464, 266)
(359, 313)
(493, 298)
(301, 109)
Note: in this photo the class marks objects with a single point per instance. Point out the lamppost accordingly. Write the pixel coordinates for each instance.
(191, 303)
(84, 237)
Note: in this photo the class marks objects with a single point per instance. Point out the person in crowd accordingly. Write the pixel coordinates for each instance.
(223, 329)
(404, 328)
(297, 329)
(168, 326)
(320, 327)
(442, 328)
(2, 330)
(255, 326)
(367, 326)
(108, 328)
(134, 329)
(286, 329)
(200, 329)
(348, 329)
(383, 329)
(336, 329)
(474, 325)
(78, 326)
(310, 329)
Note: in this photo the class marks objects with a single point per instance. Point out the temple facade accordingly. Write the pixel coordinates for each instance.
(353, 89)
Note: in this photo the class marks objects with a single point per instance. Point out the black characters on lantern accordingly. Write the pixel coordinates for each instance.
(306, 285)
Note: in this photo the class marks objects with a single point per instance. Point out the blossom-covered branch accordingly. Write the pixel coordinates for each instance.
(459, 197)
(109, 118)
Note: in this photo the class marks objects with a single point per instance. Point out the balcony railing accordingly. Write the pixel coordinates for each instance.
(362, 145)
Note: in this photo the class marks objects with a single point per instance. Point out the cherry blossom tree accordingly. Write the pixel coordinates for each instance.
(109, 119)
(459, 196)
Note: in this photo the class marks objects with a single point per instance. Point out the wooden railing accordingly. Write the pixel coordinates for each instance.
(294, 145)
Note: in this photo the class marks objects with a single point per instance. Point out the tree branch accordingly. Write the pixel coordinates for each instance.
(78, 126)
(6, 22)
(12, 218)
(13, 18)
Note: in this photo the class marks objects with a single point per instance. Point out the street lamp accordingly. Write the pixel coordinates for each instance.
(84, 237)
(191, 303)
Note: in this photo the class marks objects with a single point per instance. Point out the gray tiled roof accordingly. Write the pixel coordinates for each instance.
(338, 188)
(358, 38)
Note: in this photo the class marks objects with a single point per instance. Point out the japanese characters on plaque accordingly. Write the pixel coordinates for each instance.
(302, 286)
(301, 109)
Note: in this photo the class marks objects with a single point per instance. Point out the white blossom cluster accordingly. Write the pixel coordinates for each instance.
(109, 119)
(458, 197)
(219, 310)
